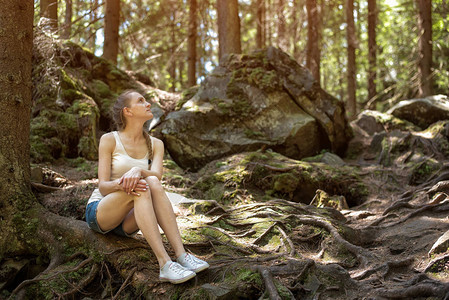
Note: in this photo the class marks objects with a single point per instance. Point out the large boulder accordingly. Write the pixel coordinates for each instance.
(261, 100)
(422, 112)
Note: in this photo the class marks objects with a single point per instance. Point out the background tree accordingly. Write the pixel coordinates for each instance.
(372, 48)
(260, 23)
(111, 28)
(425, 47)
(191, 51)
(228, 27)
(313, 39)
(351, 69)
(49, 9)
(67, 28)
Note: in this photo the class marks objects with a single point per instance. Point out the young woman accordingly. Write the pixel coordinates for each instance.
(130, 196)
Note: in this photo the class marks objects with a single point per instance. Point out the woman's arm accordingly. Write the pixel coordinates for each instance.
(131, 180)
(105, 149)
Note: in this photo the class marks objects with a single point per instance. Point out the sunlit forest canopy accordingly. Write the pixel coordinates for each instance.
(153, 40)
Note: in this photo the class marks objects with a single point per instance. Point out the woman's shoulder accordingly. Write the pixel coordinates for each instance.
(157, 142)
(108, 140)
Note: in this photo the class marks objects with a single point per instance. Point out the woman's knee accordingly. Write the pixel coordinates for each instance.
(154, 183)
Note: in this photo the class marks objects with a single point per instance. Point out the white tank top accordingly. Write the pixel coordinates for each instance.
(122, 163)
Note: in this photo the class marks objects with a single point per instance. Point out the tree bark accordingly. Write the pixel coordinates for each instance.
(313, 53)
(260, 33)
(49, 9)
(15, 103)
(228, 27)
(351, 40)
(372, 49)
(425, 47)
(191, 47)
(67, 31)
(111, 27)
(281, 41)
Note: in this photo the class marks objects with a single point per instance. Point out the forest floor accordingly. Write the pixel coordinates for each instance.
(265, 249)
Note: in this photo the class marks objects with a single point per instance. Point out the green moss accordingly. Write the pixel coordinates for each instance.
(70, 95)
(101, 88)
(424, 170)
(41, 126)
(87, 148)
(67, 83)
(285, 183)
(249, 276)
(186, 96)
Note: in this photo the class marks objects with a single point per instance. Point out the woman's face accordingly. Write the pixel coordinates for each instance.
(139, 106)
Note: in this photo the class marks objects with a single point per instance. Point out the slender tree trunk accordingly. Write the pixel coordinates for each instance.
(313, 54)
(67, 30)
(92, 28)
(269, 22)
(372, 49)
(260, 38)
(172, 62)
(15, 103)
(49, 9)
(281, 42)
(351, 40)
(191, 47)
(228, 27)
(111, 27)
(294, 29)
(425, 47)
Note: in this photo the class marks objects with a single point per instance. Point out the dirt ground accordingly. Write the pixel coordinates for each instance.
(393, 232)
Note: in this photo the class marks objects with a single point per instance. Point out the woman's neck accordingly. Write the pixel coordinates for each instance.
(132, 131)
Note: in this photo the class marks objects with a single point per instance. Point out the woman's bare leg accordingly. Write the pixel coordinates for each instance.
(119, 204)
(165, 214)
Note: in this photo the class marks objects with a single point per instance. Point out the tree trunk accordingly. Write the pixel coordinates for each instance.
(49, 9)
(313, 54)
(15, 103)
(191, 47)
(67, 30)
(281, 41)
(92, 38)
(351, 40)
(425, 47)
(228, 27)
(260, 34)
(372, 49)
(111, 27)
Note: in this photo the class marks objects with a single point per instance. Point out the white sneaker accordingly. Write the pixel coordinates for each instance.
(192, 263)
(175, 273)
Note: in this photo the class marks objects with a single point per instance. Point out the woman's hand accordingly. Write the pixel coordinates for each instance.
(132, 181)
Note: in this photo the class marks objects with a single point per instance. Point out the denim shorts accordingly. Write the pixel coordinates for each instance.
(91, 219)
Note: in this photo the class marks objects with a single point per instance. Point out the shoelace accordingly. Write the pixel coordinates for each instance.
(177, 268)
(192, 259)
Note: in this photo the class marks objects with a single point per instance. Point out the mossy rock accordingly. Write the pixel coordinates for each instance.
(271, 174)
(421, 172)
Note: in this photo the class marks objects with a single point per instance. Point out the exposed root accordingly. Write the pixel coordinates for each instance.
(385, 268)
(424, 289)
(257, 240)
(361, 253)
(269, 284)
(290, 243)
(397, 205)
(41, 276)
(435, 261)
(125, 283)
(85, 282)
